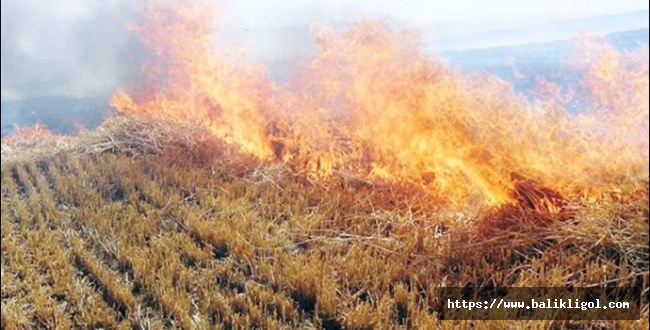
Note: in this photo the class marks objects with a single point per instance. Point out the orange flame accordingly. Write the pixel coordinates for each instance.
(28, 133)
(373, 103)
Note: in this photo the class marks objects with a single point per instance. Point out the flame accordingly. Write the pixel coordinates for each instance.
(371, 102)
(188, 81)
(28, 133)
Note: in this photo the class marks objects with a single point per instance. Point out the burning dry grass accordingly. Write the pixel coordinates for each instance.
(372, 103)
(342, 201)
(36, 131)
(147, 224)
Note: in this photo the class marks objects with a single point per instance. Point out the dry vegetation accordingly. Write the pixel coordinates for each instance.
(142, 225)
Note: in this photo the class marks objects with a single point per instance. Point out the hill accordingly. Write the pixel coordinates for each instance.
(59, 113)
(147, 224)
(495, 32)
(523, 64)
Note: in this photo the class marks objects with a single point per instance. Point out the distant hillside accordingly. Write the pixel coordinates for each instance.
(495, 32)
(547, 59)
(554, 52)
(62, 114)
(628, 40)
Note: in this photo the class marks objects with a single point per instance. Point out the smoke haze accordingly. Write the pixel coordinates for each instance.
(73, 48)
(80, 48)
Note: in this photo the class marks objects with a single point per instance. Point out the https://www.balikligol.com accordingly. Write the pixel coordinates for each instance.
(536, 304)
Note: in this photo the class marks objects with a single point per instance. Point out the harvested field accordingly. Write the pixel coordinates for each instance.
(137, 226)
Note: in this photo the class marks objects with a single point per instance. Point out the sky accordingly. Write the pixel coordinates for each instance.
(80, 47)
(422, 11)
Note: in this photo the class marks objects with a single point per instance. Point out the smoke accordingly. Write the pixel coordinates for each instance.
(76, 48)
(81, 48)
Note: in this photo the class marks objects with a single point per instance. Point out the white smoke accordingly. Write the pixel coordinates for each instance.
(66, 48)
(81, 48)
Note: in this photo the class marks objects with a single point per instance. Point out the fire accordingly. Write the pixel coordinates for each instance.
(188, 81)
(28, 133)
(371, 102)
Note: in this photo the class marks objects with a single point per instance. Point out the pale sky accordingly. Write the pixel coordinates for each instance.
(422, 11)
